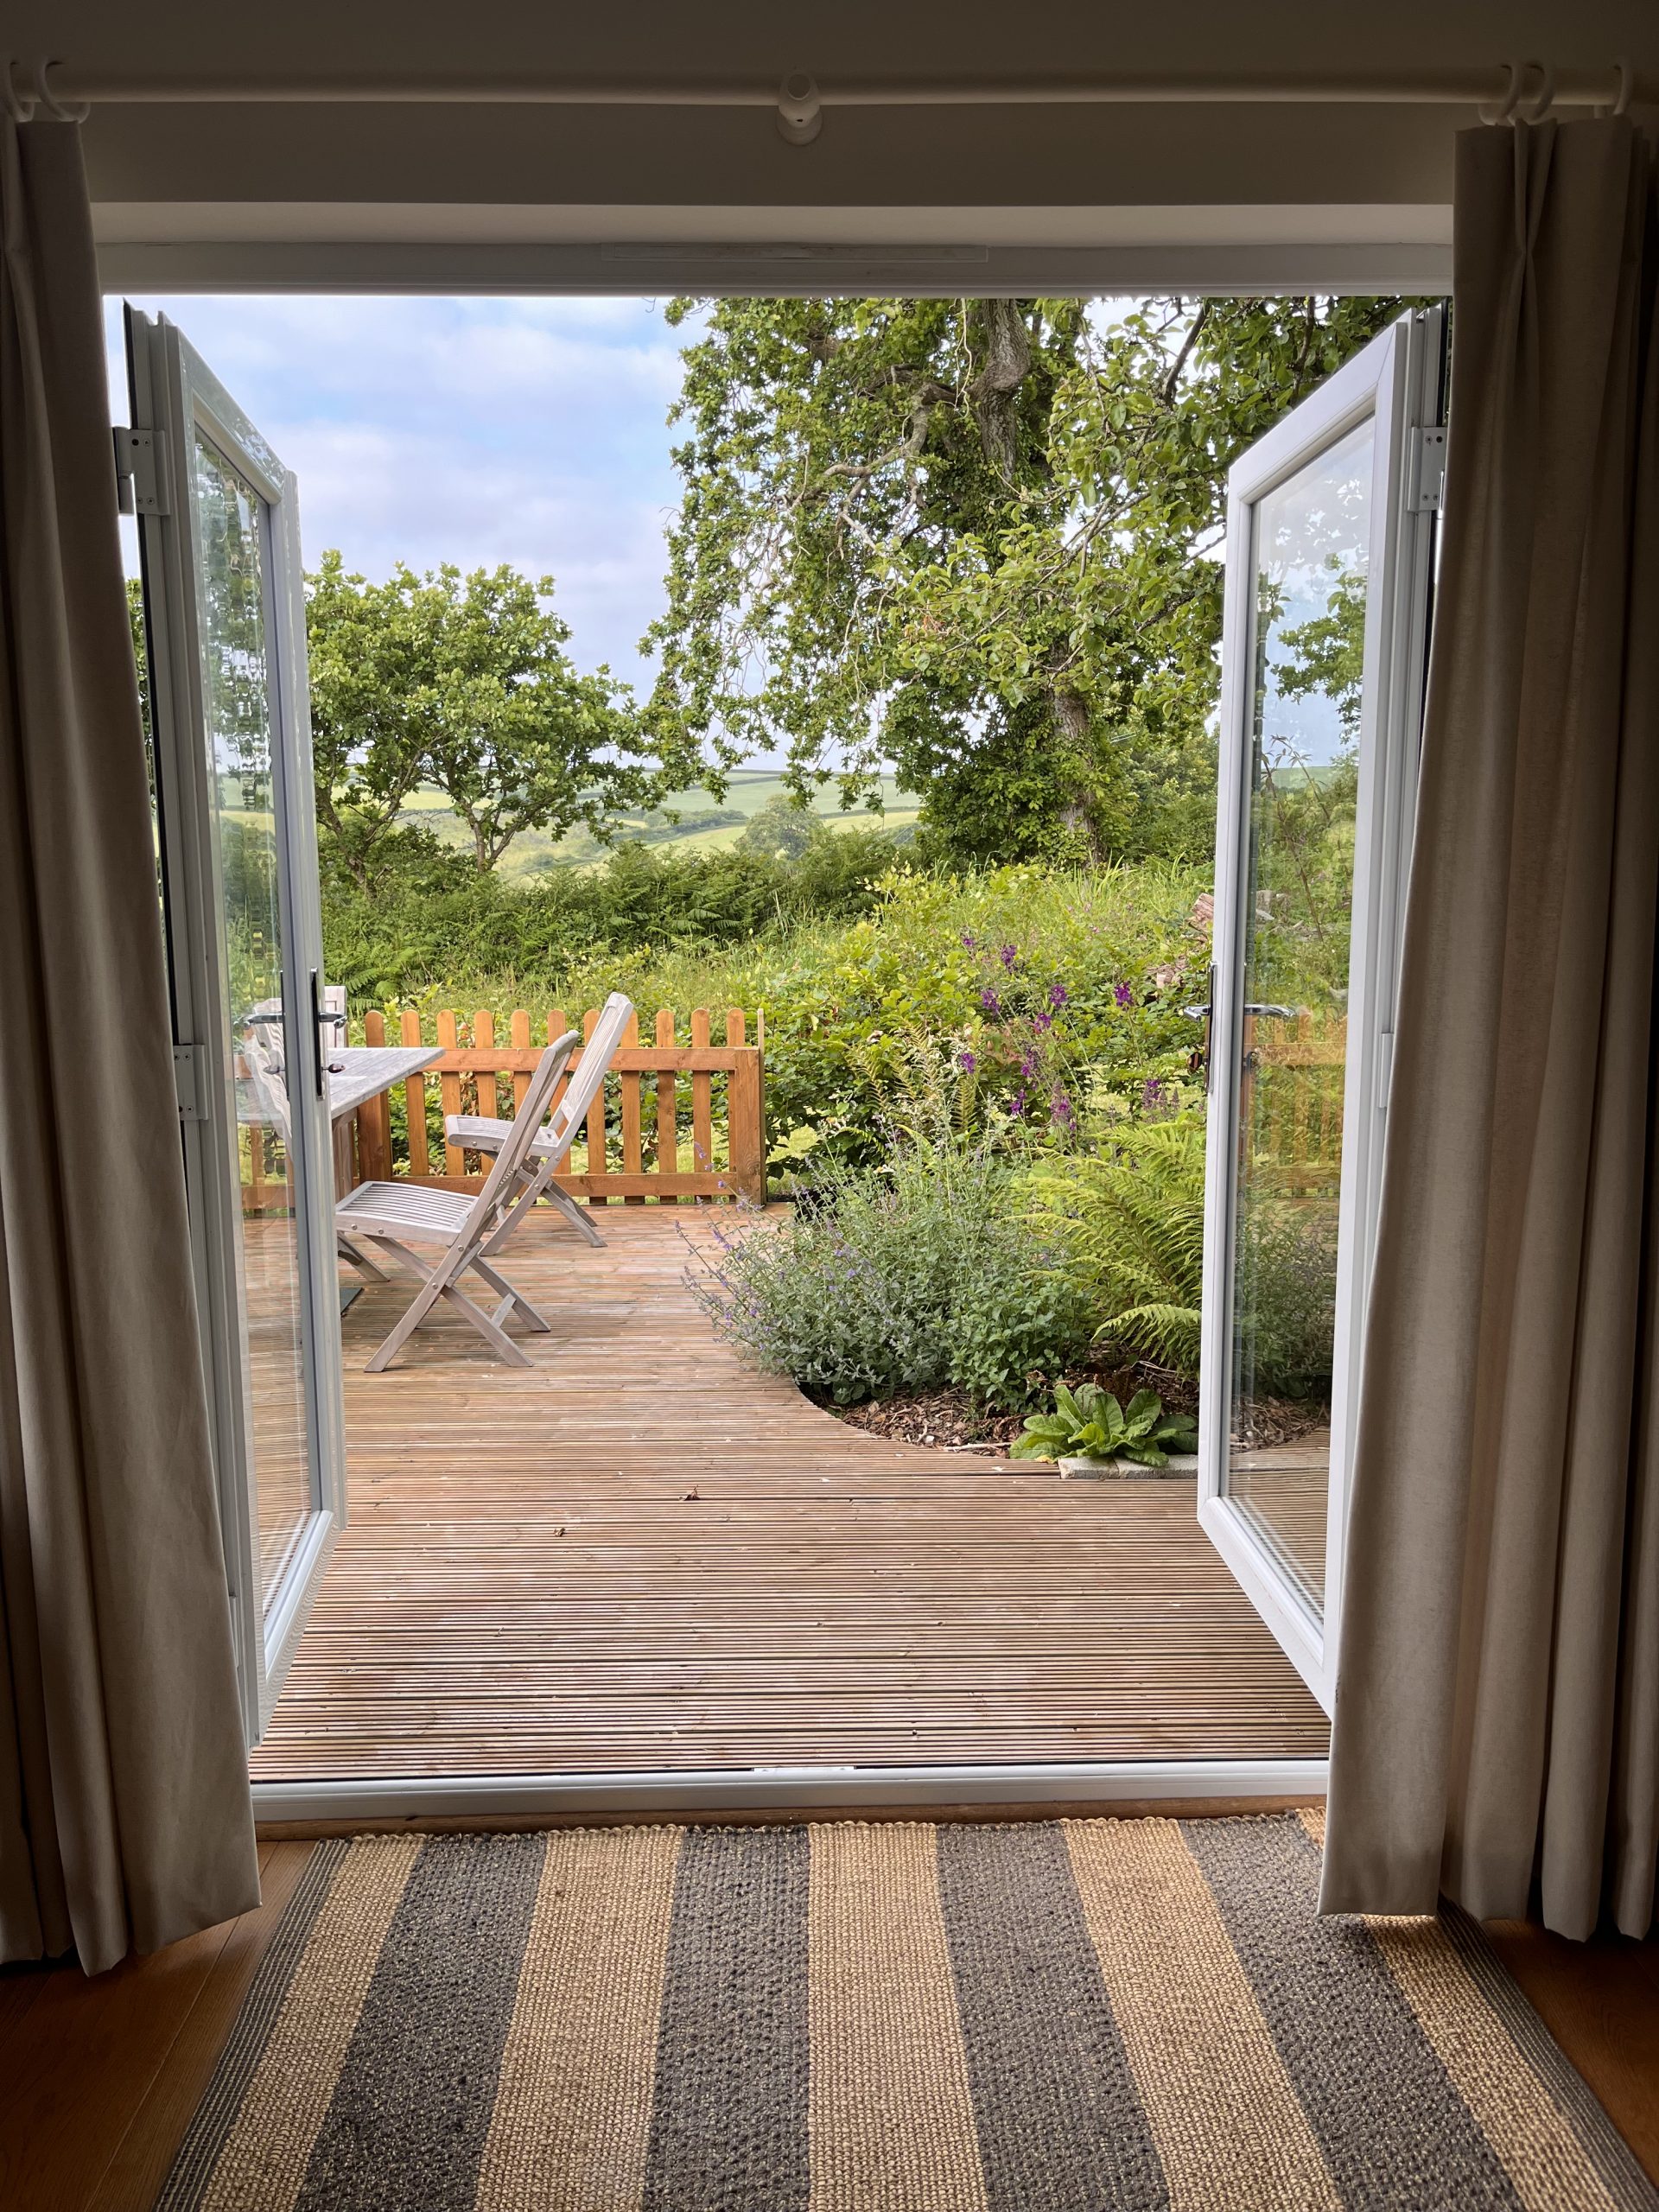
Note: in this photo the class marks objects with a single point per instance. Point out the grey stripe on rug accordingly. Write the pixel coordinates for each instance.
(1072, 2016)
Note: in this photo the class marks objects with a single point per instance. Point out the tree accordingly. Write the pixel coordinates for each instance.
(978, 539)
(140, 653)
(369, 668)
(462, 682)
(782, 828)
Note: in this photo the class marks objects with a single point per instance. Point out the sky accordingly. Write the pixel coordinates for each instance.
(471, 430)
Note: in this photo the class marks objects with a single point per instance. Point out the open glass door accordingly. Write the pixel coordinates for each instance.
(231, 727)
(1330, 557)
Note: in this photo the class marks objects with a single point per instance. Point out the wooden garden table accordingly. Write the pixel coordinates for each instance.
(358, 1075)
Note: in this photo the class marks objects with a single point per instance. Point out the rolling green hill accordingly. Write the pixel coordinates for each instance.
(706, 824)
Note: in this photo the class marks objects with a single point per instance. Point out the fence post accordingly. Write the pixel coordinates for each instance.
(409, 1028)
(668, 1105)
(633, 1152)
(487, 1084)
(746, 1146)
(454, 1160)
(597, 1161)
(702, 1119)
(374, 1116)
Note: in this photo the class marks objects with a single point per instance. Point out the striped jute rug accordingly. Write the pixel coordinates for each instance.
(1053, 2017)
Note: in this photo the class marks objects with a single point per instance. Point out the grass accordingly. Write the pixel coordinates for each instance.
(533, 852)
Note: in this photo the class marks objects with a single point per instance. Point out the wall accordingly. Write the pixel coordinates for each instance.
(379, 193)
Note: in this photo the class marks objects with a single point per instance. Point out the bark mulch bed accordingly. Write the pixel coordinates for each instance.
(948, 1420)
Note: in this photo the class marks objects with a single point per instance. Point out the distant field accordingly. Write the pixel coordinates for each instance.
(747, 792)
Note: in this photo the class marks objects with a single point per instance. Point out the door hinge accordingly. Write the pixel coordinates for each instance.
(186, 1081)
(141, 471)
(1429, 472)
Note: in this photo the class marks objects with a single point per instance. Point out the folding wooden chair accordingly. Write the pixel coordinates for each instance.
(389, 1215)
(551, 1145)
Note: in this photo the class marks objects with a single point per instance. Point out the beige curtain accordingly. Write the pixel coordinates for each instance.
(124, 1813)
(1496, 1731)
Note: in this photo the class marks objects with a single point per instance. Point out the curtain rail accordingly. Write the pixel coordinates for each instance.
(1466, 88)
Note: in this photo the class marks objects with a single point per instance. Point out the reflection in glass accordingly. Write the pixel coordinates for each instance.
(240, 709)
(1312, 536)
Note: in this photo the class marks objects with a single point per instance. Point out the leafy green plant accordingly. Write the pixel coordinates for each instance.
(1129, 1213)
(1089, 1423)
(976, 538)
(1131, 1216)
(907, 1277)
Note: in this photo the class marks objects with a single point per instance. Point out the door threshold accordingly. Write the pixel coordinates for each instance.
(1167, 1786)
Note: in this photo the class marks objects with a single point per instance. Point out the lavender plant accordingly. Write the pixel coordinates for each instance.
(904, 1278)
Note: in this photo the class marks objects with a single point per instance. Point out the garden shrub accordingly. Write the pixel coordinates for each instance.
(432, 920)
(901, 1279)
(1128, 1212)
(1045, 991)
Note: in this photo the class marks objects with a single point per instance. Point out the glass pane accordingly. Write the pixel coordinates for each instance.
(1312, 536)
(237, 683)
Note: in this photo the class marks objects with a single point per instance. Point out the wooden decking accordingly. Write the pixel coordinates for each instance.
(639, 1554)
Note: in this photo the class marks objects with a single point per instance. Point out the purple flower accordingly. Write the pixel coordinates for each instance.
(1123, 995)
(1017, 1104)
(1153, 1093)
(969, 940)
(1009, 956)
(1059, 1109)
(1028, 1067)
(1042, 1021)
(1058, 994)
(967, 1061)
(991, 1004)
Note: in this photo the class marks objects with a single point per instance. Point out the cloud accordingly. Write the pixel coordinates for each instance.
(474, 431)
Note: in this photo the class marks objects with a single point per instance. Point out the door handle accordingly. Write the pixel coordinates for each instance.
(317, 1018)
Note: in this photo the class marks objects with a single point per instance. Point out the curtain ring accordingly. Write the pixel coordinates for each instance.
(1535, 109)
(1514, 72)
(58, 110)
(18, 106)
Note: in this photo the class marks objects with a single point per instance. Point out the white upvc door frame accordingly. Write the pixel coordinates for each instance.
(1396, 382)
(173, 396)
(1353, 270)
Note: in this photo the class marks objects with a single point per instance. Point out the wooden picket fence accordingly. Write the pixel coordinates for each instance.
(675, 1119)
(1295, 1113)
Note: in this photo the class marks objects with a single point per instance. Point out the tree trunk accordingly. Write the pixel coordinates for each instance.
(1071, 714)
(993, 393)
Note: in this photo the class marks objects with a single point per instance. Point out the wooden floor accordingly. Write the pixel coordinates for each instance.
(638, 1554)
(99, 2078)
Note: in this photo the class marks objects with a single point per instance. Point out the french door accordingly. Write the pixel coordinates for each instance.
(224, 626)
(1330, 554)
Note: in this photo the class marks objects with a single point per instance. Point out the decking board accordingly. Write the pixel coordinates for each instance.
(526, 1587)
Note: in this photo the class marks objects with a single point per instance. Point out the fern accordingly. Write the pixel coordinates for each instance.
(1130, 1221)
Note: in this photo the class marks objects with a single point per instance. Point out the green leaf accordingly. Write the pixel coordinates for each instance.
(1034, 1447)
(1144, 1408)
(1068, 1406)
